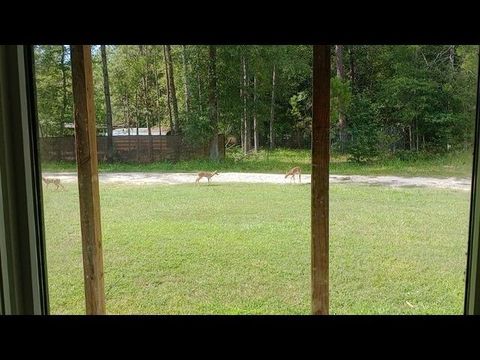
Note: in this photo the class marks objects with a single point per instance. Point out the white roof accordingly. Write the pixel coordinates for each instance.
(141, 131)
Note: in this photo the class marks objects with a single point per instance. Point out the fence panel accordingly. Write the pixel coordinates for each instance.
(133, 148)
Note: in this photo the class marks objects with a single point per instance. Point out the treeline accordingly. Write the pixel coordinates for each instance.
(385, 99)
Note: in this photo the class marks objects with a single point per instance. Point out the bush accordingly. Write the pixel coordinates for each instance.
(198, 132)
(363, 145)
(364, 131)
(407, 155)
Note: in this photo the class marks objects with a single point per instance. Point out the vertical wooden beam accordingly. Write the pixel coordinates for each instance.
(320, 170)
(86, 152)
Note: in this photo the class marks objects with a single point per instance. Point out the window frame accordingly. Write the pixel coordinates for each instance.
(23, 266)
(472, 272)
(23, 280)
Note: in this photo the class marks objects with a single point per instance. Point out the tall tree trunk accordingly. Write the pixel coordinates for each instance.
(212, 101)
(299, 139)
(255, 125)
(108, 105)
(136, 120)
(410, 136)
(125, 114)
(129, 121)
(341, 110)
(157, 98)
(246, 125)
(416, 134)
(169, 104)
(148, 112)
(143, 53)
(351, 56)
(242, 131)
(147, 105)
(452, 56)
(272, 111)
(185, 82)
(64, 88)
(199, 90)
(173, 93)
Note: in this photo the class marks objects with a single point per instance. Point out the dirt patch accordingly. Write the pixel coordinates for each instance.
(137, 178)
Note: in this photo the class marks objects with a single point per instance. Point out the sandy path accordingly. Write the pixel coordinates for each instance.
(137, 178)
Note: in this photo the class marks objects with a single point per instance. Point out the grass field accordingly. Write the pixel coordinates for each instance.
(279, 161)
(245, 249)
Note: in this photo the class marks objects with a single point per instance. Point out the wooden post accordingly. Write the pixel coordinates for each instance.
(320, 170)
(86, 153)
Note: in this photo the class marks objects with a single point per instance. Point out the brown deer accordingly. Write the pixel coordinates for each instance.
(206, 174)
(294, 171)
(55, 182)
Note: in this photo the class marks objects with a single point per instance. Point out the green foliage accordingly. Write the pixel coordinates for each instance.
(54, 97)
(340, 92)
(199, 131)
(395, 98)
(301, 112)
(364, 130)
(299, 106)
(420, 100)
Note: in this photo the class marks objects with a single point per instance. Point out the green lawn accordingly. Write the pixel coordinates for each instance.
(245, 249)
(281, 160)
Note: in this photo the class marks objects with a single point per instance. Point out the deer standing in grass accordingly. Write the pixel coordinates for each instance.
(55, 182)
(294, 171)
(205, 174)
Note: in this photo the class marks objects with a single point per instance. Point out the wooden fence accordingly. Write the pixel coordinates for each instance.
(133, 148)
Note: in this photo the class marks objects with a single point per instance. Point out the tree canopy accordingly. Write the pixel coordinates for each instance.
(392, 99)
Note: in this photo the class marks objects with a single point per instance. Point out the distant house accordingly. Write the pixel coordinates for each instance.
(141, 131)
(102, 130)
(70, 129)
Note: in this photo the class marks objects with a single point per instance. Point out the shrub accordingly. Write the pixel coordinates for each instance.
(364, 131)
